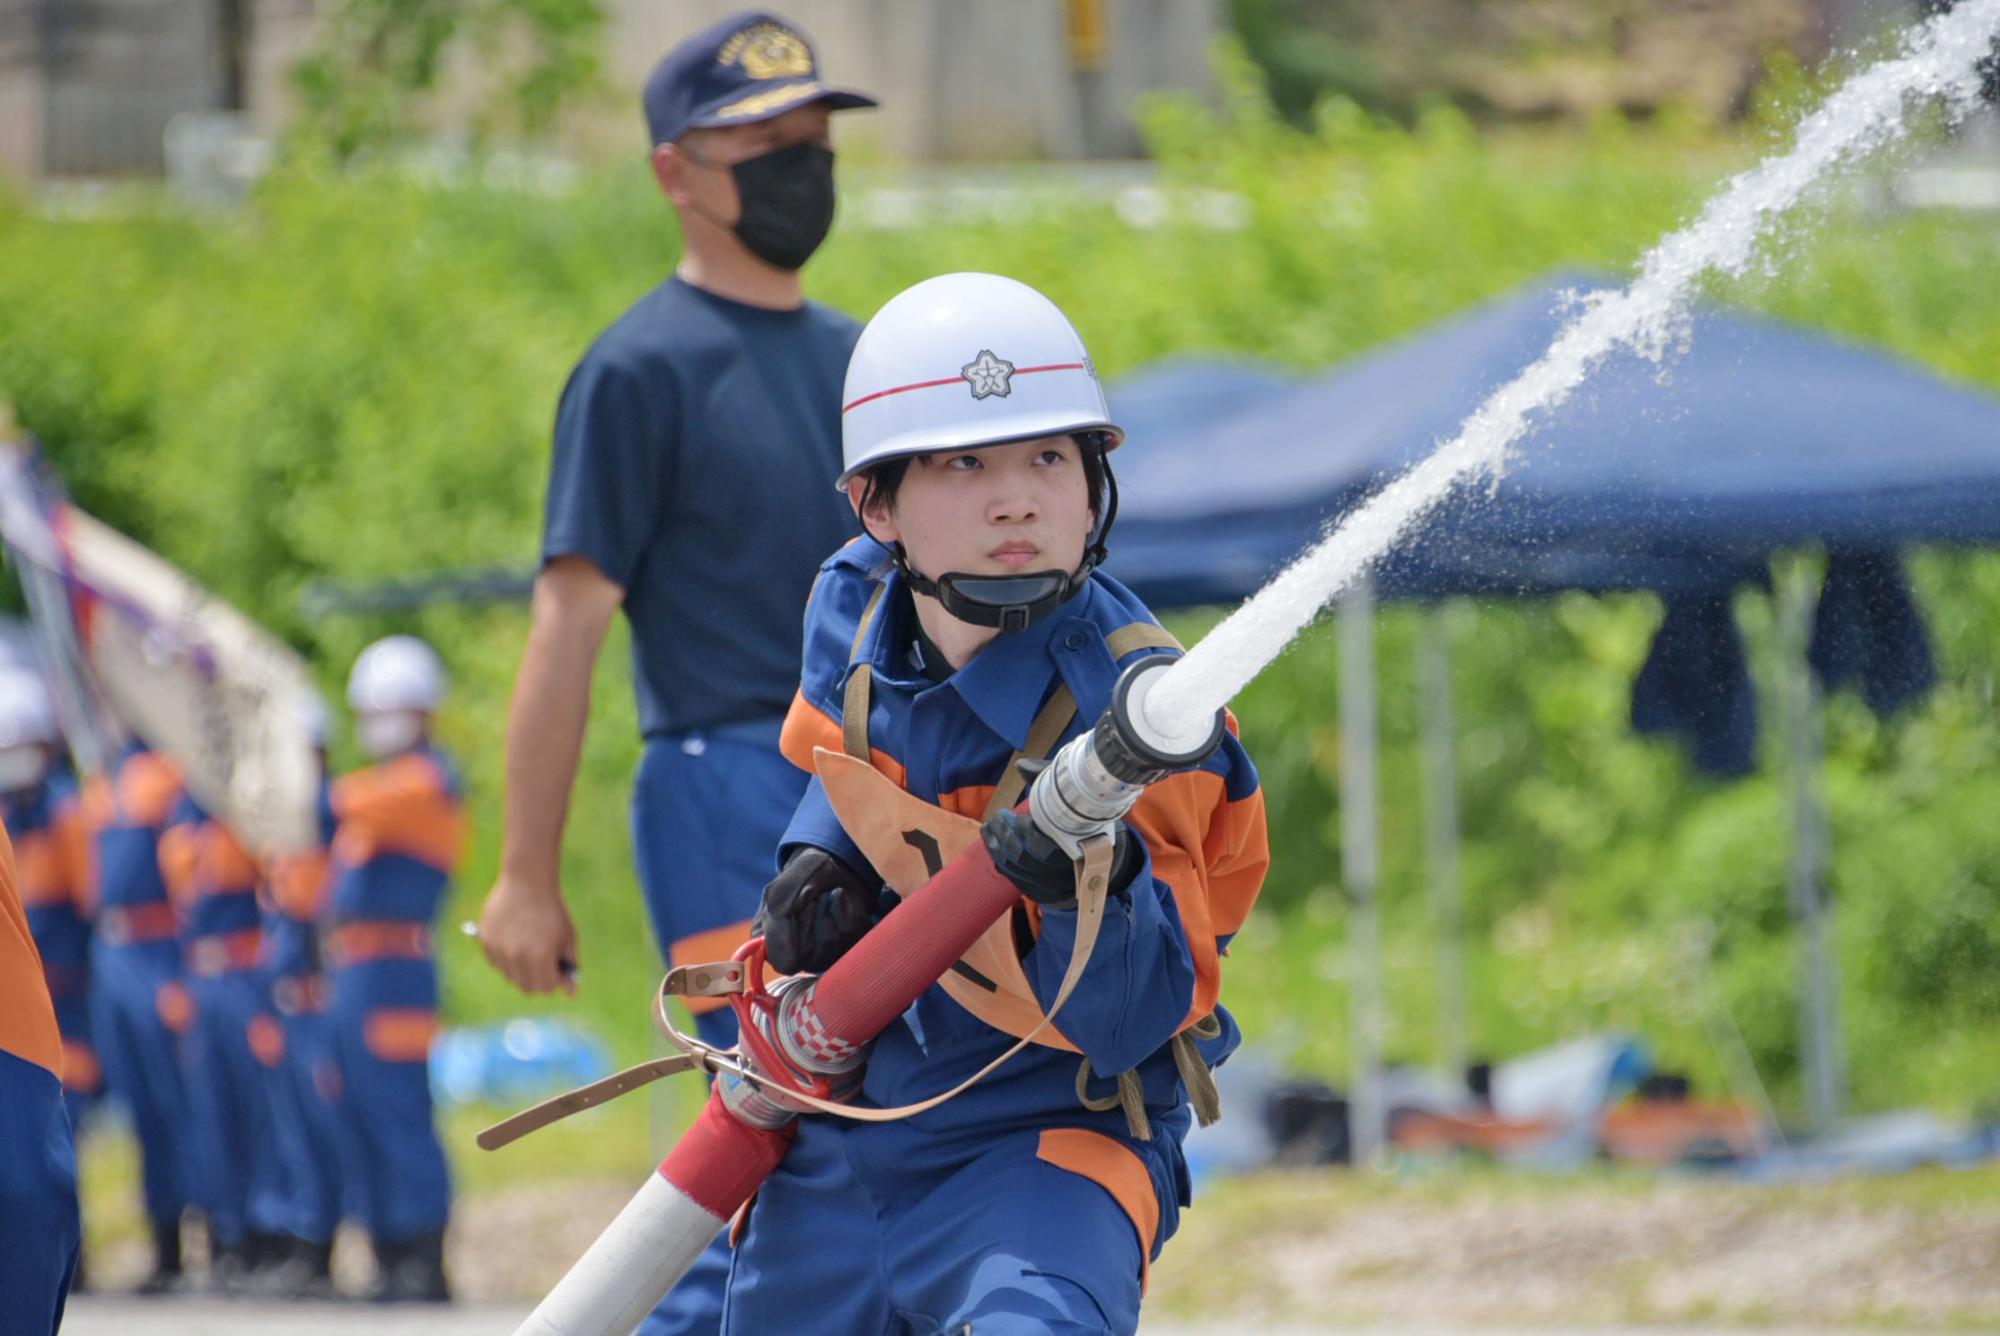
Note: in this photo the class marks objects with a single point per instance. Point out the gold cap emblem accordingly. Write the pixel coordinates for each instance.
(768, 51)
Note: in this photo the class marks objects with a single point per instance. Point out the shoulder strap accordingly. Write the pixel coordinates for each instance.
(1055, 716)
(854, 704)
(1140, 635)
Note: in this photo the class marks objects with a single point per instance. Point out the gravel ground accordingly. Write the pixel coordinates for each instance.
(1678, 1251)
(1313, 1252)
(123, 1317)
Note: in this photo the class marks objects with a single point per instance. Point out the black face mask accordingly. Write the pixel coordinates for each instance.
(787, 198)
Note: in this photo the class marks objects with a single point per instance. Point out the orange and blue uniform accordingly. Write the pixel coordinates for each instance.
(1017, 1204)
(52, 864)
(40, 1230)
(233, 1038)
(306, 1083)
(399, 832)
(139, 1004)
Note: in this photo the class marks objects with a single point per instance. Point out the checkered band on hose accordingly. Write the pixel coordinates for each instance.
(808, 1042)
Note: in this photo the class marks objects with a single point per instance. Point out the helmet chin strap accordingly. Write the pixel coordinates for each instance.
(1011, 603)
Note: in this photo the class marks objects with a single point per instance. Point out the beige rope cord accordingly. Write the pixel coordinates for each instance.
(1093, 874)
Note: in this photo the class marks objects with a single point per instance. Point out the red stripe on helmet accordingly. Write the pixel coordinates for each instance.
(955, 380)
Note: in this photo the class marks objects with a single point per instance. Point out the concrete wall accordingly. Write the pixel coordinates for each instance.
(965, 79)
(87, 87)
(21, 95)
(115, 72)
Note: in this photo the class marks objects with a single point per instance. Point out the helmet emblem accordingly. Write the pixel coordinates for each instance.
(988, 375)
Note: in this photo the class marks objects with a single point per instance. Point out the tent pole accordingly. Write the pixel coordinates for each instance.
(1822, 1059)
(1434, 720)
(1360, 867)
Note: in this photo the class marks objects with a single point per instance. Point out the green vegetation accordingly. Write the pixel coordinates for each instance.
(353, 378)
(376, 63)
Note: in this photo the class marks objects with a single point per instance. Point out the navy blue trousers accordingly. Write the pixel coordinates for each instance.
(233, 1133)
(40, 1230)
(135, 991)
(707, 815)
(382, 1014)
(1001, 1244)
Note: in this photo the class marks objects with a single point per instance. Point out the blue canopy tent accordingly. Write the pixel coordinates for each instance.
(1755, 438)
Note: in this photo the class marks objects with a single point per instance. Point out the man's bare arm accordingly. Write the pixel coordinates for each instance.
(525, 927)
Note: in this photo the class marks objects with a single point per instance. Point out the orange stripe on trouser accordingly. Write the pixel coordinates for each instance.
(81, 1070)
(704, 947)
(400, 1034)
(175, 1007)
(226, 952)
(371, 939)
(1118, 1171)
(123, 925)
(266, 1038)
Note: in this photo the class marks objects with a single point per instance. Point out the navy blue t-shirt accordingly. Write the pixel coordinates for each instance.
(695, 451)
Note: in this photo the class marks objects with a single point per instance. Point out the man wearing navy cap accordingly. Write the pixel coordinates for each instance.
(692, 445)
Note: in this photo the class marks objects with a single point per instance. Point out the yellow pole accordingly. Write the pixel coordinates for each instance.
(1087, 34)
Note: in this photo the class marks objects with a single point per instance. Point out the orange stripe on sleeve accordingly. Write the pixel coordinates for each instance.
(402, 806)
(1213, 853)
(148, 788)
(1118, 1171)
(27, 1017)
(807, 726)
(180, 860)
(70, 833)
(38, 870)
(969, 801)
(299, 883)
(226, 864)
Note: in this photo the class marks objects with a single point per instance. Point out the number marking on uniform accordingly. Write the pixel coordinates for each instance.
(926, 846)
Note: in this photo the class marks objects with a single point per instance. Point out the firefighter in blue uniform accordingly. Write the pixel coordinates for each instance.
(139, 1002)
(399, 832)
(969, 630)
(51, 860)
(306, 1082)
(691, 445)
(231, 1044)
(41, 1233)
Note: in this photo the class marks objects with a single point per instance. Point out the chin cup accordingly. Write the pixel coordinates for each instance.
(1009, 603)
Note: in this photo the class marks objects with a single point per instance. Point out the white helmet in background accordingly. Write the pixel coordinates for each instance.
(966, 360)
(27, 718)
(396, 673)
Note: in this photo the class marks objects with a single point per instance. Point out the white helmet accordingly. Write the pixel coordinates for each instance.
(964, 360)
(26, 716)
(396, 673)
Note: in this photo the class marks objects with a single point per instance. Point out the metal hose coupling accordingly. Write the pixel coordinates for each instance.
(786, 1043)
(1093, 781)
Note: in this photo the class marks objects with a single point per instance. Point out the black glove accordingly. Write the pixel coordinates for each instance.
(1039, 867)
(813, 910)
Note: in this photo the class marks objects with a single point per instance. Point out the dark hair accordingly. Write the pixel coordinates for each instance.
(881, 482)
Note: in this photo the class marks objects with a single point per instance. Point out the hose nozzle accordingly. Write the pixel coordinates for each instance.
(1094, 780)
